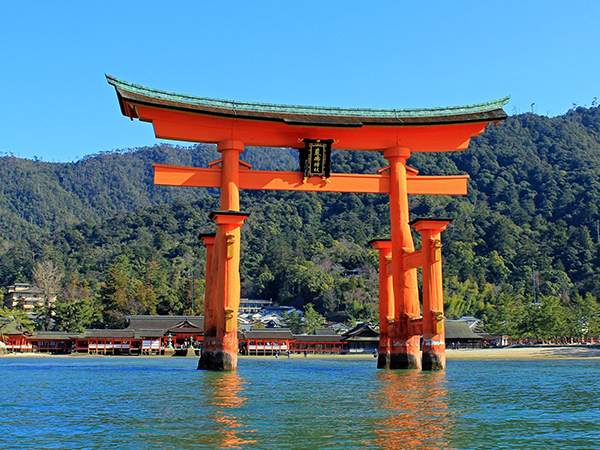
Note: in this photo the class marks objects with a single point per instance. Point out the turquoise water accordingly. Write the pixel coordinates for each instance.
(164, 403)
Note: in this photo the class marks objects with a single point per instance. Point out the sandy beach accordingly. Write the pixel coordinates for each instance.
(537, 352)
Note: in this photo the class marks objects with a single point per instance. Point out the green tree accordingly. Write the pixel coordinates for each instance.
(312, 319)
(309, 281)
(75, 309)
(294, 321)
(15, 318)
(115, 292)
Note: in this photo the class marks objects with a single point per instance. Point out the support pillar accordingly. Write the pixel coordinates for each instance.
(230, 175)
(219, 352)
(210, 312)
(405, 346)
(386, 300)
(434, 347)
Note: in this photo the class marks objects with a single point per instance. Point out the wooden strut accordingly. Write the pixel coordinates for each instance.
(167, 175)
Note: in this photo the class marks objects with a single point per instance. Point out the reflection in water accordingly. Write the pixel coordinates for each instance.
(416, 406)
(224, 391)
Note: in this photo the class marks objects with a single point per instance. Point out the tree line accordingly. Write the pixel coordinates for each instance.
(524, 241)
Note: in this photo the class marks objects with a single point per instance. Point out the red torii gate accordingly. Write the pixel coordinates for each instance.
(232, 125)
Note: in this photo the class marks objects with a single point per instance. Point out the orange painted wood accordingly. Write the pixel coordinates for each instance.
(413, 260)
(193, 127)
(386, 301)
(434, 349)
(230, 174)
(292, 181)
(405, 349)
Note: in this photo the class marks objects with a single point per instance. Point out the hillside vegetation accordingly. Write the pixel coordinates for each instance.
(522, 252)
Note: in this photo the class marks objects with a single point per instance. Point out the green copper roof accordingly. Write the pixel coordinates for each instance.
(488, 111)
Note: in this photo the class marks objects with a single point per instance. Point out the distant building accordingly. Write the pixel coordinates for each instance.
(266, 341)
(26, 296)
(459, 335)
(279, 310)
(351, 273)
(471, 321)
(362, 339)
(325, 332)
(252, 306)
(492, 340)
(184, 335)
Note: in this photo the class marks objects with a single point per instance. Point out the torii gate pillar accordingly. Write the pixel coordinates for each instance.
(220, 348)
(386, 300)
(405, 352)
(210, 315)
(434, 347)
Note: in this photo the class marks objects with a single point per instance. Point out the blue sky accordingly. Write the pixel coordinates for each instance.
(55, 103)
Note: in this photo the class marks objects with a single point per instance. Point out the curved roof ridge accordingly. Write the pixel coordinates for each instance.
(137, 89)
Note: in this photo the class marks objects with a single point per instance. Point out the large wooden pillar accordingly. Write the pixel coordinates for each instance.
(434, 347)
(220, 341)
(220, 348)
(230, 174)
(386, 300)
(405, 346)
(210, 317)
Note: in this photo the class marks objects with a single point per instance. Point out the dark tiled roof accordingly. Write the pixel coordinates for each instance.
(54, 335)
(184, 330)
(489, 337)
(325, 332)
(149, 333)
(306, 115)
(109, 334)
(459, 329)
(318, 338)
(163, 322)
(269, 333)
(361, 331)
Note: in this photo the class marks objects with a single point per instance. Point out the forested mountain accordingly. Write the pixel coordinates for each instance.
(39, 196)
(523, 243)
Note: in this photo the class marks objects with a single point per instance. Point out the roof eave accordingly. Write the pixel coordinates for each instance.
(130, 94)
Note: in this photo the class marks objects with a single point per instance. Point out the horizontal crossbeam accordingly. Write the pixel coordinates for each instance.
(413, 260)
(166, 175)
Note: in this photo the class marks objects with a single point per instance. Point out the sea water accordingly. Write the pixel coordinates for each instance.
(297, 403)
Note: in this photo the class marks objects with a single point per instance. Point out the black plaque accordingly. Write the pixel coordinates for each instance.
(315, 158)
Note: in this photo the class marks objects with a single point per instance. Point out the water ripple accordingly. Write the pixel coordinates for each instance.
(164, 403)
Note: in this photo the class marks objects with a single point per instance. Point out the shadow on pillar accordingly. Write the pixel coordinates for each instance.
(216, 360)
(383, 361)
(405, 360)
(433, 361)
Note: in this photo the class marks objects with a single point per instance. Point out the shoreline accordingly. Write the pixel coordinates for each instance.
(517, 353)
(534, 352)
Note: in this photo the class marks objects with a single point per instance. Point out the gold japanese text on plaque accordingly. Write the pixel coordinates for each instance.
(315, 158)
